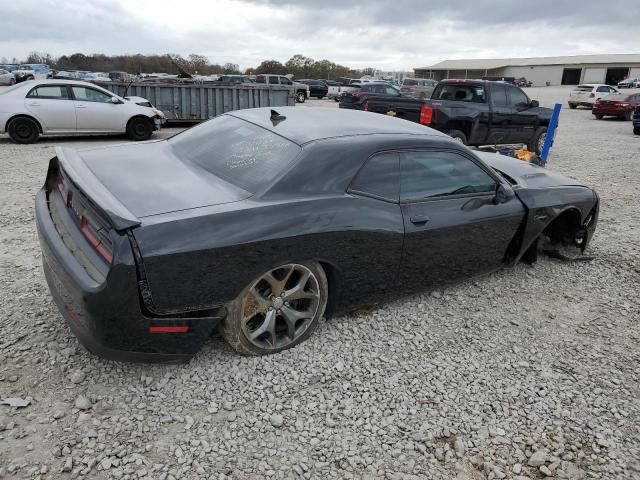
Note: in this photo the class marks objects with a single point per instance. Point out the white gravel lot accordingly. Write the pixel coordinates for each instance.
(524, 374)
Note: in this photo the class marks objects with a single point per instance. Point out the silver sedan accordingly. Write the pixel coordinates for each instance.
(6, 78)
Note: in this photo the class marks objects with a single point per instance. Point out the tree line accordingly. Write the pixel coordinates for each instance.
(299, 66)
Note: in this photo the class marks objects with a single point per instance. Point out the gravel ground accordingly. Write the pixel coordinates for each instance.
(524, 374)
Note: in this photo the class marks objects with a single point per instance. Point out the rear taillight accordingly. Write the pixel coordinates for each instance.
(62, 189)
(92, 236)
(426, 115)
(366, 106)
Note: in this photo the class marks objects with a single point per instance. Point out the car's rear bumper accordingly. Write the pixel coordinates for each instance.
(581, 103)
(107, 318)
(613, 112)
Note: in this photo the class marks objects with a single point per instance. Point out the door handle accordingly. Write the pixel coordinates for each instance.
(34, 104)
(81, 106)
(419, 219)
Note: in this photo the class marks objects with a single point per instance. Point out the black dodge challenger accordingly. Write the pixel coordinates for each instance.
(262, 222)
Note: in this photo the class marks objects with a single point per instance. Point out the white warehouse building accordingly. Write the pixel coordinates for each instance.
(571, 70)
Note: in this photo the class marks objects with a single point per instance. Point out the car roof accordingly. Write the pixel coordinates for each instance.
(306, 124)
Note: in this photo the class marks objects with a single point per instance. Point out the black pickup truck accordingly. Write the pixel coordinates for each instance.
(476, 112)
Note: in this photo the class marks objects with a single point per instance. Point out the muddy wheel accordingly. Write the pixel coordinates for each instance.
(278, 310)
(458, 135)
(537, 142)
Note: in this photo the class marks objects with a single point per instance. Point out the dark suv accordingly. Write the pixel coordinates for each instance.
(317, 88)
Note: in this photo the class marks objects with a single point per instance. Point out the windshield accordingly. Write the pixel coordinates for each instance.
(239, 152)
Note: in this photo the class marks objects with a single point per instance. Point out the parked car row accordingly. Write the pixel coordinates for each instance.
(606, 101)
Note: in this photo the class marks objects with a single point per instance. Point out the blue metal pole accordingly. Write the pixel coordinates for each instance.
(551, 132)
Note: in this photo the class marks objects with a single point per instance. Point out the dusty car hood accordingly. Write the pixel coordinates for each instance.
(149, 180)
(525, 174)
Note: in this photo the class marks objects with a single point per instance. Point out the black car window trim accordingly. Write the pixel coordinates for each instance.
(496, 178)
(61, 85)
(352, 191)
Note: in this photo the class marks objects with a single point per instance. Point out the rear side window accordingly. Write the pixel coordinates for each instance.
(239, 152)
(499, 95)
(49, 91)
(602, 89)
(380, 177)
(459, 92)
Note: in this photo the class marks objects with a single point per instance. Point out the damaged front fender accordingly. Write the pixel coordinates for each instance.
(568, 210)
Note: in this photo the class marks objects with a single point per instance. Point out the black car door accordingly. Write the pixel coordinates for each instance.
(501, 127)
(525, 119)
(453, 227)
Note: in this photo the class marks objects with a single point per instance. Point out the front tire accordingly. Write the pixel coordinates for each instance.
(636, 130)
(12, 81)
(599, 117)
(278, 310)
(458, 135)
(572, 106)
(139, 129)
(301, 97)
(23, 130)
(537, 142)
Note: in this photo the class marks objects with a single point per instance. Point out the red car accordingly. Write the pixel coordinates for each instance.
(616, 105)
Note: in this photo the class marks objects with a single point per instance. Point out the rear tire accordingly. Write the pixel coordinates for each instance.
(23, 130)
(258, 320)
(599, 117)
(537, 142)
(457, 135)
(12, 81)
(629, 116)
(636, 130)
(139, 129)
(572, 106)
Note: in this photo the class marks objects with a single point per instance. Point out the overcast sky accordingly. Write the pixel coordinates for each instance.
(386, 34)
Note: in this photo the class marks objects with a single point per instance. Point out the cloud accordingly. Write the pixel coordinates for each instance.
(392, 35)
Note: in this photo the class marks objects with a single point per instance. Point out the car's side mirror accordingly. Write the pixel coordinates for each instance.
(534, 103)
(504, 193)
(116, 100)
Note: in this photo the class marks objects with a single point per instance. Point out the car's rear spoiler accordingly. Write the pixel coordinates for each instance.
(102, 199)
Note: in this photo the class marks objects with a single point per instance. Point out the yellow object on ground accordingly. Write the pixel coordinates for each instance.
(524, 154)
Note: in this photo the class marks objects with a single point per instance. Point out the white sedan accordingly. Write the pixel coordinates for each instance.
(6, 77)
(66, 107)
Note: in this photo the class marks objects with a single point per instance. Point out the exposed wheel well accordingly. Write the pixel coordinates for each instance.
(563, 226)
(22, 115)
(333, 280)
